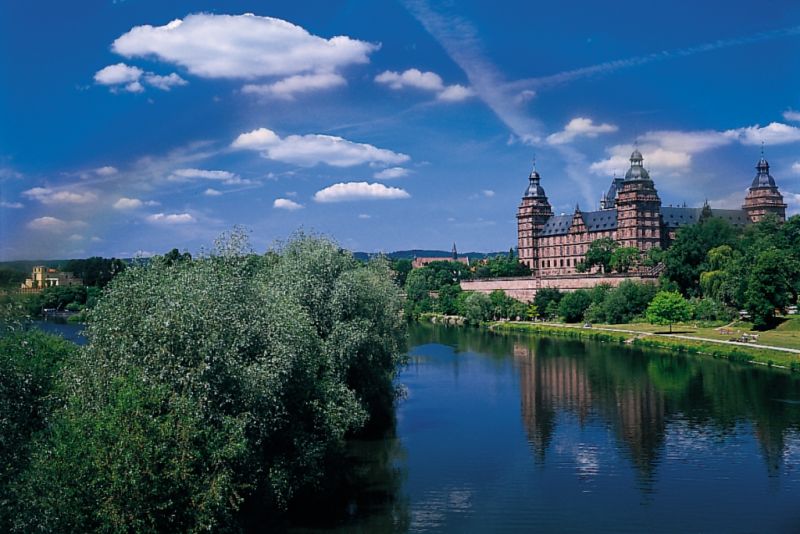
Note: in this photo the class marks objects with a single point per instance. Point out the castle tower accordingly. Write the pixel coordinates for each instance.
(532, 214)
(638, 208)
(609, 199)
(763, 196)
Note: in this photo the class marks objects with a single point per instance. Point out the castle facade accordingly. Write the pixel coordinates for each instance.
(630, 213)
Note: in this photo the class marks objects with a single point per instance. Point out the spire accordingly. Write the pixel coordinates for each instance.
(534, 186)
(455, 252)
(763, 178)
(577, 208)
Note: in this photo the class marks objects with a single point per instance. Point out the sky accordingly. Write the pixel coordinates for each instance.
(131, 127)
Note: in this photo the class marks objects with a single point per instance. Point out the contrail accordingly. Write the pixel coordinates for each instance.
(543, 82)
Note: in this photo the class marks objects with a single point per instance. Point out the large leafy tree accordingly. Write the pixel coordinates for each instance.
(574, 305)
(687, 257)
(211, 382)
(599, 254)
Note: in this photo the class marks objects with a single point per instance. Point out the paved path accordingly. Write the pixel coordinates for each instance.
(679, 336)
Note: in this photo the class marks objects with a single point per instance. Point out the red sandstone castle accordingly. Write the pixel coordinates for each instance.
(630, 213)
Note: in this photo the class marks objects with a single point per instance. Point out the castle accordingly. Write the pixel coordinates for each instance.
(630, 213)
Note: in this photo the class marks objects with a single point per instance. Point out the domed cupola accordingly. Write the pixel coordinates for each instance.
(535, 189)
(637, 170)
(763, 178)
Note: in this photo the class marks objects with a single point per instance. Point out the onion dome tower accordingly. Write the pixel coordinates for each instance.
(763, 196)
(638, 208)
(532, 214)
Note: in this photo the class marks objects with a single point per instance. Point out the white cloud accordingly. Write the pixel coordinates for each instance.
(364, 216)
(774, 133)
(455, 93)
(46, 195)
(427, 81)
(11, 205)
(171, 218)
(796, 167)
(165, 83)
(241, 46)
(391, 173)
(286, 204)
(128, 203)
(525, 96)
(54, 224)
(343, 192)
(691, 142)
(488, 193)
(579, 127)
(791, 115)
(287, 88)
(76, 237)
(655, 158)
(130, 78)
(225, 177)
(108, 170)
(312, 149)
(211, 192)
(118, 74)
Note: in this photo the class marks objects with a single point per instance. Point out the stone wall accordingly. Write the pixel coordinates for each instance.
(525, 289)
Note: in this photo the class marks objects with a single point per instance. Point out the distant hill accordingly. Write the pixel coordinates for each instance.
(415, 253)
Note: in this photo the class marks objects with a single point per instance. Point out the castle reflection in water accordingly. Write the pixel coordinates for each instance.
(639, 395)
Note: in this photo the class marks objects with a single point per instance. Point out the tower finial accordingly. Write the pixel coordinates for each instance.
(534, 161)
(762, 148)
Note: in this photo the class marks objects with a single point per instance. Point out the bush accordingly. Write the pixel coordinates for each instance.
(574, 305)
(210, 382)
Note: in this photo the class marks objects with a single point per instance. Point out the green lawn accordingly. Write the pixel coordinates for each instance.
(787, 334)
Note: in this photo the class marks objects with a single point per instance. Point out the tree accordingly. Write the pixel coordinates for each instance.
(627, 301)
(624, 258)
(686, 258)
(95, 271)
(544, 297)
(599, 254)
(216, 381)
(532, 313)
(401, 268)
(477, 308)
(574, 305)
(669, 307)
(770, 285)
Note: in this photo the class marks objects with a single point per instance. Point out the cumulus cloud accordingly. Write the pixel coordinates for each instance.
(775, 133)
(312, 149)
(655, 158)
(170, 218)
(11, 205)
(108, 170)
(364, 216)
(241, 46)
(128, 78)
(580, 127)
(53, 224)
(211, 192)
(488, 193)
(287, 88)
(343, 192)
(796, 167)
(791, 115)
(427, 81)
(225, 177)
(391, 173)
(128, 203)
(46, 195)
(286, 204)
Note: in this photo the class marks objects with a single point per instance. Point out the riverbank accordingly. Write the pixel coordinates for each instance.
(783, 357)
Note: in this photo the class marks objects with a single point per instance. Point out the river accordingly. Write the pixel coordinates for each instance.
(506, 433)
(503, 433)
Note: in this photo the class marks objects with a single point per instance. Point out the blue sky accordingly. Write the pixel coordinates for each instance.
(132, 127)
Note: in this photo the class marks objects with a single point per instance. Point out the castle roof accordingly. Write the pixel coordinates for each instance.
(595, 221)
(637, 170)
(534, 186)
(676, 217)
(763, 178)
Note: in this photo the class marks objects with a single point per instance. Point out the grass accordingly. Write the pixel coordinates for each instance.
(786, 335)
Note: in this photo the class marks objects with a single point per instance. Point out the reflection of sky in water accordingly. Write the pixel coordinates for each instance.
(524, 436)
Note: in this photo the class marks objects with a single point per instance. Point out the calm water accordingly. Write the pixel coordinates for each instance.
(507, 433)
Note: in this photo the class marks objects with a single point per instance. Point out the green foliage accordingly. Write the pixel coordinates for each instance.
(771, 281)
(477, 308)
(11, 278)
(599, 254)
(623, 259)
(176, 256)
(502, 267)
(213, 381)
(401, 269)
(574, 305)
(29, 364)
(56, 297)
(95, 271)
(627, 301)
(669, 307)
(440, 277)
(546, 300)
(708, 309)
(687, 257)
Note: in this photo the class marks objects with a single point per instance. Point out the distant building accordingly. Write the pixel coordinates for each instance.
(42, 277)
(422, 262)
(630, 213)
